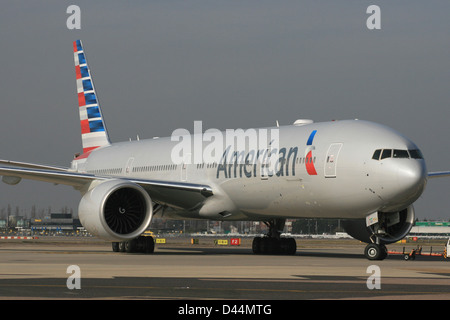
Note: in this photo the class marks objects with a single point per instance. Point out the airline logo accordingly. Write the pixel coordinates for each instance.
(309, 159)
(93, 131)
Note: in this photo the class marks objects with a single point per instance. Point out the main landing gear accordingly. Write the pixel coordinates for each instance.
(273, 243)
(142, 244)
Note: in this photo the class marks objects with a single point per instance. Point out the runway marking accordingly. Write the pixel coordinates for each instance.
(296, 280)
(365, 293)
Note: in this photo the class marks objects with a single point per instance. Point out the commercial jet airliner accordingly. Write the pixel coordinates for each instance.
(362, 172)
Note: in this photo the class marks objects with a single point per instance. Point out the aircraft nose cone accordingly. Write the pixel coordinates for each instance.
(411, 178)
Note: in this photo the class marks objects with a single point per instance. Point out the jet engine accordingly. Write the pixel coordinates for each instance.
(389, 228)
(116, 210)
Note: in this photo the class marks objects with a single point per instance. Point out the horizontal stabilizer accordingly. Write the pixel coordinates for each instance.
(438, 174)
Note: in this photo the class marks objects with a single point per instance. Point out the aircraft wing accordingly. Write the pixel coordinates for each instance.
(180, 195)
(175, 194)
(53, 176)
(438, 174)
(30, 165)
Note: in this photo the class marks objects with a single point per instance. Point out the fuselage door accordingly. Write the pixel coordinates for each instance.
(331, 160)
(129, 166)
(184, 164)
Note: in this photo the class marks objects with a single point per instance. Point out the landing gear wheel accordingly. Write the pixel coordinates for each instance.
(288, 246)
(130, 246)
(375, 251)
(115, 247)
(268, 245)
(273, 243)
(140, 244)
(256, 245)
(149, 246)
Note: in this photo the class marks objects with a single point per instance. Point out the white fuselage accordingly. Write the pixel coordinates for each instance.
(330, 173)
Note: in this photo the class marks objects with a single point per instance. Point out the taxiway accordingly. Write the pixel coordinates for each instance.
(319, 270)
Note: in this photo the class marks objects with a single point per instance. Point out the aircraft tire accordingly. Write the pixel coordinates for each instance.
(375, 251)
(288, 246)
(149, 246)
(116, 246)
(130, 246)
(268, 245)
(140, 244)
(256, 245)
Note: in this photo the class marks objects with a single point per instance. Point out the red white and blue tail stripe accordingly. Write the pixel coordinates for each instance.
(93, 128)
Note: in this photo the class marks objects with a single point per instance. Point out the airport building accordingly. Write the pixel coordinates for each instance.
(431, 228)
(14, 222)
(54, 223)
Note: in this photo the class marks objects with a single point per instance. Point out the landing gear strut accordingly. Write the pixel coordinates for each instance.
(376, 250)
(273, 243)
(140, 244)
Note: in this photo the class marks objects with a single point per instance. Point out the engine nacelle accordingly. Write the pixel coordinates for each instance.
(116, 210)
(391, 227)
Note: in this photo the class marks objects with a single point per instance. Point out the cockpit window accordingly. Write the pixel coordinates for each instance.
(381, 154)
(415, 154)
(376, 154)
(387, 153)
(400, 154)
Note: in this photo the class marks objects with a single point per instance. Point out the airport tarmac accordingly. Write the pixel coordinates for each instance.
(324, 269)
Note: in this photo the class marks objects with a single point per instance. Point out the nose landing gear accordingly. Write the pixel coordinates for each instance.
(375, 251)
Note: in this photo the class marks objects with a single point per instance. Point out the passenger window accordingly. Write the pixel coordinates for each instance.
(376, 154)
(401, 154)
(387, 153)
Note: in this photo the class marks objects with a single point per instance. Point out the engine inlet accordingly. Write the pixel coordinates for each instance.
(125, 210)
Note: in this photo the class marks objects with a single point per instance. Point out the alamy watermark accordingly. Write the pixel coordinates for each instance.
(74, 280)
(248, 147)
(373, 22)
(374, 280)
(74, 20)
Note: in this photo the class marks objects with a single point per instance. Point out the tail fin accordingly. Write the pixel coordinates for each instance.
(93, 128)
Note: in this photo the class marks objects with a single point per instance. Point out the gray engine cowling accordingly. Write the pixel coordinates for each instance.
(116, 210)
(391, 227)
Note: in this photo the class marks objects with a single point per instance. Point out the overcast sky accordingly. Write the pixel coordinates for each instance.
(161, 65)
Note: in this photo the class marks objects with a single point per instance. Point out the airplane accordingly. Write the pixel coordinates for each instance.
(363, 172)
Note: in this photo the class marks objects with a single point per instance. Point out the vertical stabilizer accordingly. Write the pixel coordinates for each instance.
(93, 128)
